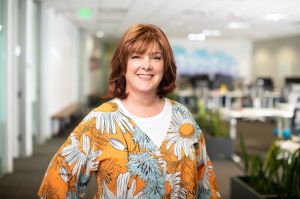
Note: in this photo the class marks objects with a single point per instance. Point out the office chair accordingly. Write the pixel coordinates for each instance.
(296, 122)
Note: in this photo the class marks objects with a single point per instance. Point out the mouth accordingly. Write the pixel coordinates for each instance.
(145, 76)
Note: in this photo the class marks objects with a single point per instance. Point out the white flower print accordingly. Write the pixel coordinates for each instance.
(161, 161)
(205, 181)
(177, 191)
(107, 117)
(202, 158)
(73, 155)
(64, 174)
(91, 164)
(181, 143)
(117, 144)
(182, 133)
(122, 189)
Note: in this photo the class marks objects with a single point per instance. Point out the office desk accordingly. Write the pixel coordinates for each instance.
(187, 97)
(283, 117)
(271, 97)
(217, 95)
(267, 98)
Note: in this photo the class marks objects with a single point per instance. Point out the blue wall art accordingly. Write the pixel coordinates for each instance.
(200, 60)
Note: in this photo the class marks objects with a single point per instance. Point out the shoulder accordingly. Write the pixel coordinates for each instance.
(178, 107)
(107, 107)
(107, 117)
(183, 115)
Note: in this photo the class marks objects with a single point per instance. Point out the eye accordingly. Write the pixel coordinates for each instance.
(135, 56)
(157, 57)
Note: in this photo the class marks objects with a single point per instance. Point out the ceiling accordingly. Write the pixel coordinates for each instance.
(178, 18)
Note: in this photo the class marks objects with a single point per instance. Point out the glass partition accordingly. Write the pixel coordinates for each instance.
(2, 82)
(35, 71)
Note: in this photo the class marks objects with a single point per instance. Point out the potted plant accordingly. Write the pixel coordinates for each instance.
(218, 142)
(275, 176)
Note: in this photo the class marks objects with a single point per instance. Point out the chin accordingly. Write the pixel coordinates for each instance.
(146, 91)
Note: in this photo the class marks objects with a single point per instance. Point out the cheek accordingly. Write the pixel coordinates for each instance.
(161, 71)
(131, 67)
(160, 67)
(131, 70)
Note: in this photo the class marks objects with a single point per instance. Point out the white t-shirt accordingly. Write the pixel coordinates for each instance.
(156, 127)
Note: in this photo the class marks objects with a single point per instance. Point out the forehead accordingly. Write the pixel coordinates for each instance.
(155, 48)
(142, 47)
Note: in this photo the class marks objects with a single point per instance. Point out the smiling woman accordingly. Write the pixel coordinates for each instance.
(140, 43)
(144, 71)
(140, 144)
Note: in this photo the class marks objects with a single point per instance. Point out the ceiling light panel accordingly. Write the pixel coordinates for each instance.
(116, 3)
(238, 25)
(276, 17)
(118, 15)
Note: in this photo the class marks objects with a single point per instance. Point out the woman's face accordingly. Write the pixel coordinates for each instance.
(144, 71)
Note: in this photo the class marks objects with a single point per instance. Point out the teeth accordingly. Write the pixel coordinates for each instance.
(145, 75)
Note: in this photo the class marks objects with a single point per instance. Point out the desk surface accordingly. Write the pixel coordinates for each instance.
(256, 113)
(218, 93)
(185, 93)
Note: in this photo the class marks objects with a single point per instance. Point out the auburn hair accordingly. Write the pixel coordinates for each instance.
(138, 39)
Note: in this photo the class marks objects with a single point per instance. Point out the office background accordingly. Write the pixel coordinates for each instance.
(55, 55)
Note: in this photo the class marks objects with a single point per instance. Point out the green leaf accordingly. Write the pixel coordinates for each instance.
(245, 156)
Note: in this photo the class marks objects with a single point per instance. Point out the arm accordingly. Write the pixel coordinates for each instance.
(206, 178)
(206, 181)
(71, 168)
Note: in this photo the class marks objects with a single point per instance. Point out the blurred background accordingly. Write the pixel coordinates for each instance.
(238, 72)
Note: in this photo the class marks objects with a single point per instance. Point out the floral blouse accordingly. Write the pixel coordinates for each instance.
(126, 161)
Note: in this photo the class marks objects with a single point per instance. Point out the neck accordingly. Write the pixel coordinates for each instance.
(141, 100)
(143, 105)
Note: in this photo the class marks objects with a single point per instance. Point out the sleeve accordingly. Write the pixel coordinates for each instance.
(206, 181)
(71, 168)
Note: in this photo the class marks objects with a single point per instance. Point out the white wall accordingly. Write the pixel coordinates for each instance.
(240, 51)
(69, 50)
(277, 58)
(97, 74)
(85, 47)
(61, 50)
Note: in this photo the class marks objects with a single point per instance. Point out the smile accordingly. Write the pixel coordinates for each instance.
(145, 76)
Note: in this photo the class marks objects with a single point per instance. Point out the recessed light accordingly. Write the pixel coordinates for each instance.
(18, 50)
(238, 25)
(211, 33)
(1, 27)
(198, 37)
(276, 17)
(100, 34)
(55, 53)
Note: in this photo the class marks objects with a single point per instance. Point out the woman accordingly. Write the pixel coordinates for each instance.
(140, 144)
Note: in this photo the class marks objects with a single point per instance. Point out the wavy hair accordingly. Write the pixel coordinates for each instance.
(138, 39)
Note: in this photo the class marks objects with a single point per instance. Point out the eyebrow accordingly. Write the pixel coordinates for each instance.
(152, 53)
(158, 52)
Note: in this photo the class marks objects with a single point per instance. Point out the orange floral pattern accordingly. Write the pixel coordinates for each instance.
(126, 161)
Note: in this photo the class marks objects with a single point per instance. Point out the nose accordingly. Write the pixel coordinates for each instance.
(147, 64)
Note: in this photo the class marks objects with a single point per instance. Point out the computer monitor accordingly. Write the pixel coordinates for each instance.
(200, 80)
(292, 80)
(223, 79)
(265, 82)
(289, 81)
